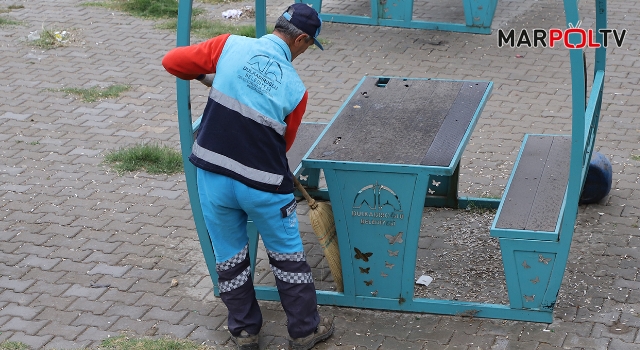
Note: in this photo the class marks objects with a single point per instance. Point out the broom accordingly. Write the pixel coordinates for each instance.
(324, 227)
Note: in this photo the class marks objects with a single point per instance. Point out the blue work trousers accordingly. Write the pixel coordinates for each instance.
(227, 204)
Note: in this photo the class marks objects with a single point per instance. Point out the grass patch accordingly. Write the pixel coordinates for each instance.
(13, 345)
(8, 22)
(155, 159)
(154, 9)
(125, 343)
(50, 39)
(219, 1)
(635, 157)
(96, 93)
(205, 29)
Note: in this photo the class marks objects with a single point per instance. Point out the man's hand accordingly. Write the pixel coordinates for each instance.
(207, 79)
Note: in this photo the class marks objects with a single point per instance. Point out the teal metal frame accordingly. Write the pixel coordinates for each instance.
(535, 261)
(584, 127)
(399, 13)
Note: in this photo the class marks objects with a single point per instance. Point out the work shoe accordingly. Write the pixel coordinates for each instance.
(325, 330)
(246, 341)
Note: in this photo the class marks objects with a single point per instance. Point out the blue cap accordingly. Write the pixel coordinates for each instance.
(305, 18)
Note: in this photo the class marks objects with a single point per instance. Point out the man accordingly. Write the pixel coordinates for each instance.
(251, 118)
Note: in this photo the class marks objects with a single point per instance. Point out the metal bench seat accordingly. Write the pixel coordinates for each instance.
(534, 199)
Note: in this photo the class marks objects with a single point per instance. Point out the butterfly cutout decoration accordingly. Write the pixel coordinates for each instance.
(525, 265)
(394, 239)
(431, 191)
(529, 297)
(383, 274)
(374, 293)
(388, 265)
(369, 282)
(393, 252)
(435, 183)
(364, 270)
(543, 260)
(363, 256)
(535, 280)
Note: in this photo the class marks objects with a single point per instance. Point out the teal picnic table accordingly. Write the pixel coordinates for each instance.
(393, 148)
(478, 15)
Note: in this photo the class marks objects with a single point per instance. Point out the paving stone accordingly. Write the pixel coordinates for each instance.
(148, 274)
(54, 313)
(37, 239)
(71, 253)
(116, 285)
(72, 266)
(13, 271)
(40, 251)
(175, 330)
(3, 319)
(211, 337)
(61, 343)
(127, 324)
(115, 271)
(82, 304)
(127, 310)
(24, 312)
(67, 332)
(41, 263)
(392, 343)
(101, 322)
(150, 299)
(210, 322)
(10, 296)
(145, 263)
(34, 342)
(93, 333)
(105, 258)
(30, 327)
(17, 285)
(157, 313)
(89, 293)
(101, 245)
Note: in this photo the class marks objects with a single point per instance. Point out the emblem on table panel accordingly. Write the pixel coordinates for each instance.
(393, 252)
(364, 270)
(369, 282)
(529, 297)
(393, 239)
(388, 265)
(362, 256)
(378, 205)
(377, 197)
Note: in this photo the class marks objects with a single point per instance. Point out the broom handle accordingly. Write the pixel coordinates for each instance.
(310, 201)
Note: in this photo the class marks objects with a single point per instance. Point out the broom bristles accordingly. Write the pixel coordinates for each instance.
(324, 227)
